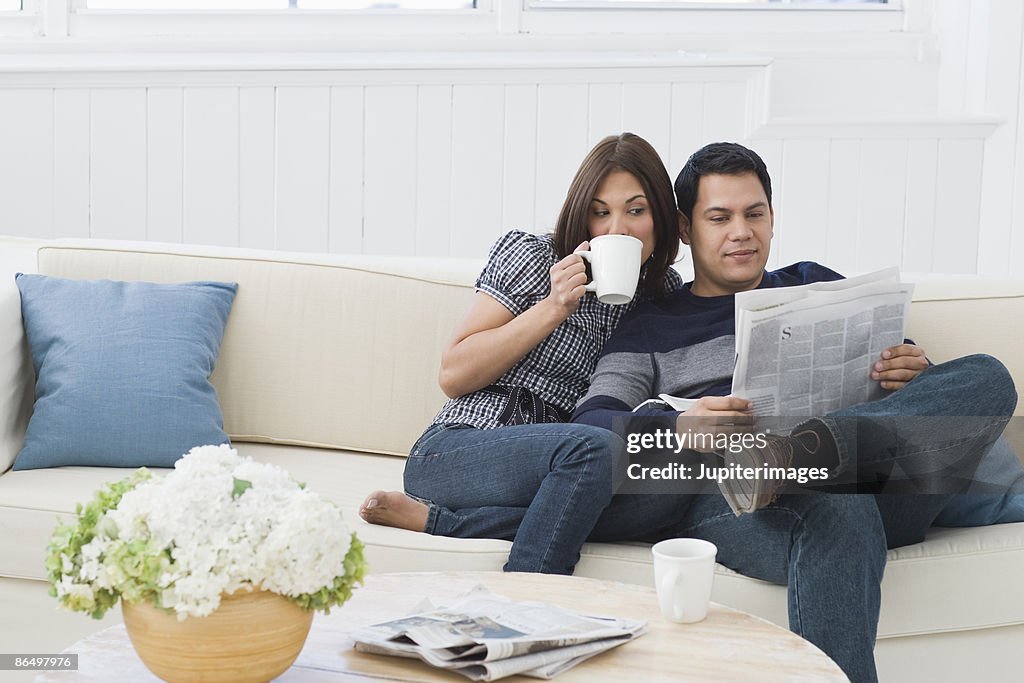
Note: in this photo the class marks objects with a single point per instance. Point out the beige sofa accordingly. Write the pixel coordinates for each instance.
(328, 367)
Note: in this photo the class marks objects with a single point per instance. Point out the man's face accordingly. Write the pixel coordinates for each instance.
(730, 234)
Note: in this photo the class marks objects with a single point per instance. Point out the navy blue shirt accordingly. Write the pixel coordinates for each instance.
(683, 345)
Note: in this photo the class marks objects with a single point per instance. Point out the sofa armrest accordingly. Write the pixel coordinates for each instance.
(17, 379)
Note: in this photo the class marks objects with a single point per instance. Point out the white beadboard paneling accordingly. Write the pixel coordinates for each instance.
(435, 200)
(646, 111)
(70, 162)
(302, 160)
(477, 143)
(519, 169)
(758, 90)
(803, 235)
(687, 111)
(211, 166)
(346, 192)
(957, 206)
(256, 167)
(919, 225)
(962, 127)
(952, 21)
(843, 205)
(118, 163)
(882, 195)
(192, 155)
(994, 224)
(26, 162)
(725, 112)
(164, 164)
(979, 41)
(389, 210)
(561, 146)
(1005, 65)
(605, 115)
(1017, 172)
(772, 152)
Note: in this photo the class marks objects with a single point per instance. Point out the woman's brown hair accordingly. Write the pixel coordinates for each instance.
(631, 153)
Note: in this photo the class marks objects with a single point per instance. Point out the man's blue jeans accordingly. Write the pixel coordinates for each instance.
(830, 548)
(541, 486)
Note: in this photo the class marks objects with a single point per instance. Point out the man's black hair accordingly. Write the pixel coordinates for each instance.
(718, 158)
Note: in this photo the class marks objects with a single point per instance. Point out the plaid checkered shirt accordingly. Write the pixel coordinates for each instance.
(556, 371)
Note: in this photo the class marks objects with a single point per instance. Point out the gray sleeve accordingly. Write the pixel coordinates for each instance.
(624, 376)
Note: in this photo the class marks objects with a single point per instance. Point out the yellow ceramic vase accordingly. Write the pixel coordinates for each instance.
(250, 638)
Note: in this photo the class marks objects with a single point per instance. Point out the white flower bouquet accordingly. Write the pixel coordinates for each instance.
(218, 523)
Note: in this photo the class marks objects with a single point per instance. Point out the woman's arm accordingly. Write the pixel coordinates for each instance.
(490, 340)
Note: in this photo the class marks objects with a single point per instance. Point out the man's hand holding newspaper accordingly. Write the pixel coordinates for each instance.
(809, 350)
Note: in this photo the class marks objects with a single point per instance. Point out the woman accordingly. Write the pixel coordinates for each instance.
(499, 461)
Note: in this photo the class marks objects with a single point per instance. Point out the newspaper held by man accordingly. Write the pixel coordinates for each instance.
(808, 350)
(485, 636)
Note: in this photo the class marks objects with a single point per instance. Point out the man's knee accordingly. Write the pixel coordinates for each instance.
(996, 392)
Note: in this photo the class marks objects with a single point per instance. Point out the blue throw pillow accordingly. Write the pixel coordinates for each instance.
(996, 497)
(122, 370)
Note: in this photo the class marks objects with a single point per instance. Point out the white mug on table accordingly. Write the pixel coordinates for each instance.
(614, 266)
(684, 569)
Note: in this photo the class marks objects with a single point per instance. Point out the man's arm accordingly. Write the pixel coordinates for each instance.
(604, 411)
(625, 377)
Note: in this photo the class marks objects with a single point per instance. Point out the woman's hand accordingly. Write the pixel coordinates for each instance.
(490, 340)
(898, 365)
(568, 280)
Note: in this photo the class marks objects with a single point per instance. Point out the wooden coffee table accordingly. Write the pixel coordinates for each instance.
(729, 645)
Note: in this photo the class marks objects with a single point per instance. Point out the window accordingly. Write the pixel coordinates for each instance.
(277, 25)
(705, 4)
(249, 5)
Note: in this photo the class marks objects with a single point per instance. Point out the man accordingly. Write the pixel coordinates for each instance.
(828, 548)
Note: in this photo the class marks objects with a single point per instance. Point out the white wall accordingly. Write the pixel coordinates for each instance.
(983, 71)
(886, 149)
(418, 161)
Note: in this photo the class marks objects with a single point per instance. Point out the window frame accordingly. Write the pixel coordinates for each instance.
(527, 20)
(23, 23)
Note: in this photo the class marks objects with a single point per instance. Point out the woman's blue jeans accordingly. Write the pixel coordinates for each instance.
(541, 486)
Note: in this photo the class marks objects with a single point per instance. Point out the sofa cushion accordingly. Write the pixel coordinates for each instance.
(321, 350)
(952, 316)
(996, 494)
(16, 378)
(122, 370)
(342, 351)
(924, 587)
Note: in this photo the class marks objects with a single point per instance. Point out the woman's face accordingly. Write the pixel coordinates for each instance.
(620, 207)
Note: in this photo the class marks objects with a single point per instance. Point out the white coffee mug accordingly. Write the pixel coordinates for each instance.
(684, 569)
(614, 267)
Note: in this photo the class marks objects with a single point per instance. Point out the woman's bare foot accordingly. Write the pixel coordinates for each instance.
(394, 508)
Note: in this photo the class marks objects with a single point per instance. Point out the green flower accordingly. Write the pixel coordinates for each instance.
(65, 548)
(91, 561)
(341, 589)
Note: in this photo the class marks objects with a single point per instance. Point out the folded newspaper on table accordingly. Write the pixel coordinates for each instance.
(808, 350)
(485, 637)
